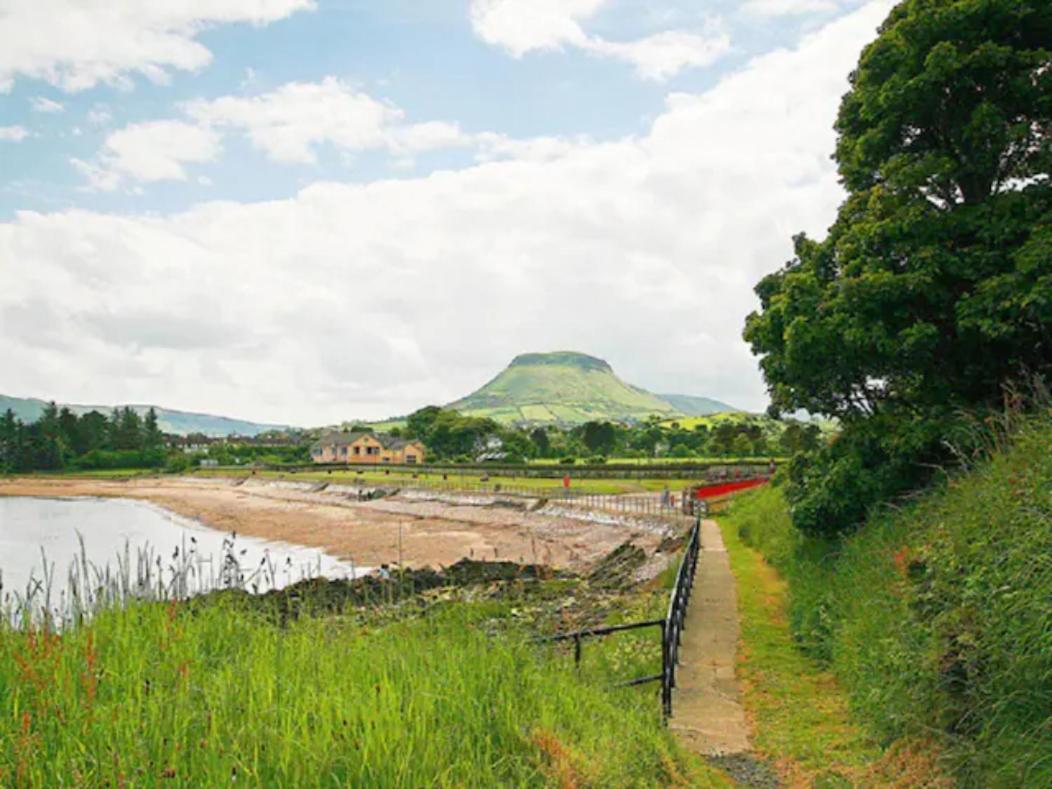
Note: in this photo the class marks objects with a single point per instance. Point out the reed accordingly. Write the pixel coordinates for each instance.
(208, 694)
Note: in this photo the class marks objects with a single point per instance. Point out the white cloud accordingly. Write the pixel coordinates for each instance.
(290, 122)
(287, 124)
(788, 7)
(152, 151)
(522, 26)
(13, 133)
(44, 104)
(76, 44)
(371, 299)
(663, 55)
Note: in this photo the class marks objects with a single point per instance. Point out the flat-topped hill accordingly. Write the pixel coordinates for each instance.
(563, 387)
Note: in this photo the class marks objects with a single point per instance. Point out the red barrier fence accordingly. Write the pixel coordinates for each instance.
(723, 488)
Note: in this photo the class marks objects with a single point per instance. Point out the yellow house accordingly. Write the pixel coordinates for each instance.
(360, 447)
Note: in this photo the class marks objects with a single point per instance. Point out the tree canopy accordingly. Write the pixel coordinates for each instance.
(933, 288)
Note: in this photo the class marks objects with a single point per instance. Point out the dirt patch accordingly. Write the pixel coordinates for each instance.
(409, 530)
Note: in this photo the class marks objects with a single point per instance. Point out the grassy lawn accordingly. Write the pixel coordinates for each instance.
(798, 712)
(108, 473)
(469, 481)
(715, 460)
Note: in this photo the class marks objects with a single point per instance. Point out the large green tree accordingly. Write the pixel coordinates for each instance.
(933, 288)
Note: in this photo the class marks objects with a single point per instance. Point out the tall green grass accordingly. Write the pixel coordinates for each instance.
(936, 615)
(207, 694)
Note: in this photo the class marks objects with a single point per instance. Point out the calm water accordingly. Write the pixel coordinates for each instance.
(28, 525)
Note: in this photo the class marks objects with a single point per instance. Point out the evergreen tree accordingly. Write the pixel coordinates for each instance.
(129, 429)
(153, 438)
(67, 427)
(10, 445)
(92, 433)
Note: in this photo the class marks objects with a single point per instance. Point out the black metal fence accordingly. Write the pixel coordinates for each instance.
(671, 626)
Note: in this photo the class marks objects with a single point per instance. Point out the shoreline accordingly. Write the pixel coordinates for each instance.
(412, 530)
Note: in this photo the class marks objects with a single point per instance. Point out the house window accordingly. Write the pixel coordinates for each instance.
(357, 450)
(372, 450)
(410, 459)
(343, 451)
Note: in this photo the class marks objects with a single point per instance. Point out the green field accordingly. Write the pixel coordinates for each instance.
(468, 481)
(711, 460)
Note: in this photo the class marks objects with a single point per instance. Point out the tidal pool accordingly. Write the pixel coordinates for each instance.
(55, 549)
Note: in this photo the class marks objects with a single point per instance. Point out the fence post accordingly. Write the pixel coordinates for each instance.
(666, 684)
(577, 650)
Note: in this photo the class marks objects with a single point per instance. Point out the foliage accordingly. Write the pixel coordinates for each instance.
(121, 458)
(936, 616)
(932, 289)
(60, 439)
(239, 453)
(448, 434)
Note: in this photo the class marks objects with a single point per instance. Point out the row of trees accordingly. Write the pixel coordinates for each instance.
(449, 435)
(61, 439)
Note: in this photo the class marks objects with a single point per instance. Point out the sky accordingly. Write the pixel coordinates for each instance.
(310, 211)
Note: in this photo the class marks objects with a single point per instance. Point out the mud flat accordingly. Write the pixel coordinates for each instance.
(412, 527)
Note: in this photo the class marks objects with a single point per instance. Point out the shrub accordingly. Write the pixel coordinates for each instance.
(177, 463)
(98, 459)
(831, 489)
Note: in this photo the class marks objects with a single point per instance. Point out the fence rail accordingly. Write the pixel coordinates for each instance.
(671, 626)
(715, 468)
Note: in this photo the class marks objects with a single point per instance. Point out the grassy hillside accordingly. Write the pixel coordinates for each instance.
(690, 405)
(28, 409)
(772, 428)
(937, 615)
(562, 387)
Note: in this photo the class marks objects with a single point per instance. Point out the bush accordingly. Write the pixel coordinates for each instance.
(98, 459)
(832, 489)
(177, 463)
(567, 461)
(597, 460)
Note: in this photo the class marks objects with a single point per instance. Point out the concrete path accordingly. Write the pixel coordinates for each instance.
(707, 713)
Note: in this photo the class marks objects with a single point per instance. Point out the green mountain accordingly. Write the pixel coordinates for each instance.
(567, 388)
(691, 405)
(28, 409)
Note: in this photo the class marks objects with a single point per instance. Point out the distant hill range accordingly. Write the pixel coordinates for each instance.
(564, 388)
(571, 388)
(182, 423)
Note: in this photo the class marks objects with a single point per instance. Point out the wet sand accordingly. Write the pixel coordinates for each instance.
(410, 528)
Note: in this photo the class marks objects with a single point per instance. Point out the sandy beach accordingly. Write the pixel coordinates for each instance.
(418, 530)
